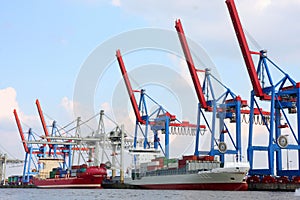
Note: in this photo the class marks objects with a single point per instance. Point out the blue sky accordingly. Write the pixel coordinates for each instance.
(43, 46)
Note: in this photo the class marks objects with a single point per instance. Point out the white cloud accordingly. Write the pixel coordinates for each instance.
(184, 71)
(208, 23)
(271, 24)
(8, 97)
(8, 102)
(116, 3)
(67, 104)
(106, 107)
(261, 5)
(10, 140)
(73, 109)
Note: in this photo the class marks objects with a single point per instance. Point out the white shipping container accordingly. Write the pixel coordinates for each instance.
(215, 165)
(210, 165)
(153, 163)
(73, 174)
(194, 166)
(143, 168)
(173, 165)
(191, 166)
(143, 165)
(198, 166)
(201, 165)
(205, 165)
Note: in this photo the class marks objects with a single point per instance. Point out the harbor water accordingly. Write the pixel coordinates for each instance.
(99, 194)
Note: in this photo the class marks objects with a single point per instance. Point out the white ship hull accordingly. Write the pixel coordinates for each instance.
(229, 178)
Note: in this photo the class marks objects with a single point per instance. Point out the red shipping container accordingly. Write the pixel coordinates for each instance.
(76, 167)
(190, 157)
(151, 168)
(181, 166)
(182, 162)
(209, 158)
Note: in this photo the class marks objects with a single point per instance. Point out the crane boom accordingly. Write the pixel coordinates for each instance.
(43, 121)
(21, 131)
(244, 48)
(129, 88)
(190, 63)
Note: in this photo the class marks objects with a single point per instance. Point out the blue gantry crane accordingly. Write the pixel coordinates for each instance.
(159, 120)
(38, 147)
(54, 148)
(282, 99)
(222, 106)
(32, 152)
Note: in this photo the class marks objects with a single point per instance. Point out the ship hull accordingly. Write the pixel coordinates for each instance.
(91, 178)
(218, 179)
(71, 182)
(204, 186)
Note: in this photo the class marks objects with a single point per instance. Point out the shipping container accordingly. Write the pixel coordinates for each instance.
(76, 167)
(173, 160)
(181, 162)
(73, 174)
(83, 166)
(52, 174)
(173, 165)
(153, 163)
(190, 157)
(151, 168)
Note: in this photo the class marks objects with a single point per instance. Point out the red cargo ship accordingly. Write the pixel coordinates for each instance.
(80, 176)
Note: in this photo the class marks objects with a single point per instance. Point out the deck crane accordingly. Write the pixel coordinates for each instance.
(281, 98)
(159, 120)
(226, 106)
